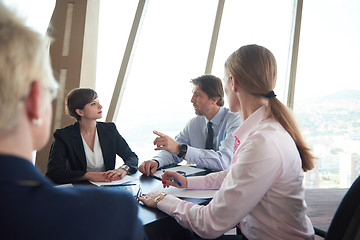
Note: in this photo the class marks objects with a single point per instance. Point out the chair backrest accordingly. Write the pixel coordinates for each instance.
(346, 222)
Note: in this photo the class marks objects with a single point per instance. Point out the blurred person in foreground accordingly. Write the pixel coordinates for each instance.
(31, 207)
(262, 193)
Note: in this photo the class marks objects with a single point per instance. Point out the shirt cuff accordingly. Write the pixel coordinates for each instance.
(168, 204)
(191, 154)
(196, 182)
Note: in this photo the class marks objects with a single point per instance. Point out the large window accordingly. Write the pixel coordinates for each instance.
(115, 21)
(172, 49)
(327, 94)
(262, 22)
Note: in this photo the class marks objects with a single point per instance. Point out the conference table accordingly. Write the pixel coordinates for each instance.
(157, 224)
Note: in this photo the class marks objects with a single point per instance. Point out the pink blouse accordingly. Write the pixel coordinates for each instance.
(262, 191)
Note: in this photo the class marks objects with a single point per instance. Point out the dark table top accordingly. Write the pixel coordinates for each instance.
(157, 224)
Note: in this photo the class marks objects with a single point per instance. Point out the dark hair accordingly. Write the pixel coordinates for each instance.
(254, 69)
(212, 86)
(77, 99)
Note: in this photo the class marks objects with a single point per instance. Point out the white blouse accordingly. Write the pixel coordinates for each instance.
(94, 159)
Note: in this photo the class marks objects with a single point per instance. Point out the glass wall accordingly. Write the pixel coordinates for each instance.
(262, 22)
(115, 21)
(327, 94)
(173, 48)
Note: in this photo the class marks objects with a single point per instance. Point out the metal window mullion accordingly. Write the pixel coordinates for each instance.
(294, 54)
(125, 64)
(214, 38)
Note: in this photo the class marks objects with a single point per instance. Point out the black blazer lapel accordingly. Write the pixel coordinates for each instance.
(105, 139)
(78, 146)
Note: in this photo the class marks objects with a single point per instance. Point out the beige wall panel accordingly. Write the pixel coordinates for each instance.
(74, 28)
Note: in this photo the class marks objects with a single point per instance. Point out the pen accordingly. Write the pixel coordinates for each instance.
(175, 180)
(138, 194)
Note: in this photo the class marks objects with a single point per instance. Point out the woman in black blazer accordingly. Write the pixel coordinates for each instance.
(87, 149)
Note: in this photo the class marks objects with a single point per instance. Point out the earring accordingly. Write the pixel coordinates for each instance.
(37, 122)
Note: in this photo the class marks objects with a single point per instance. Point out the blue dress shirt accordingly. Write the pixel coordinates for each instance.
(194, 135)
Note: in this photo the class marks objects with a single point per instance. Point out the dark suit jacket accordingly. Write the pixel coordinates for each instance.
(32, 208)
(67, 160)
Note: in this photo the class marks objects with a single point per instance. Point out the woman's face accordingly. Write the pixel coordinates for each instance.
(92, 110)
(233, 100)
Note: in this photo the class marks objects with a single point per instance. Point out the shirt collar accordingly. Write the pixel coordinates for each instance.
(217, 118)
(250, 123)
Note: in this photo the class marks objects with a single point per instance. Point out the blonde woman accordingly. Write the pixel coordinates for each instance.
(262, 192)
(30, 206)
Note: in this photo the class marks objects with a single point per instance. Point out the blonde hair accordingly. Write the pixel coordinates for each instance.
(255, 70)
(24, 58)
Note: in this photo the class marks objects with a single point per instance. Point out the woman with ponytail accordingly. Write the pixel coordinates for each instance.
(262, 192)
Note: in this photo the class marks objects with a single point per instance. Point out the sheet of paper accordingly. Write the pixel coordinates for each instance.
(187, 193)
(64, 185)
(126, 179)
(188, 170)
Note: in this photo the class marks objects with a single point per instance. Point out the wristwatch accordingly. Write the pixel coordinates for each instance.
(183, 149)
(126, 168)
(159, 197)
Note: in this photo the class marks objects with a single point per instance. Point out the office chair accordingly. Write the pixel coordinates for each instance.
(345, 225)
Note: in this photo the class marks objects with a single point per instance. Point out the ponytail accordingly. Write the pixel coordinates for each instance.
(255, 70)
(282, 114)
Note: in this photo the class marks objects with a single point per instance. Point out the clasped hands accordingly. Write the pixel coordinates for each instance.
(167, 180)
(108, 176)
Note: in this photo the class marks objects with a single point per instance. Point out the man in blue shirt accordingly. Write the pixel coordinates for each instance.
(198, 143)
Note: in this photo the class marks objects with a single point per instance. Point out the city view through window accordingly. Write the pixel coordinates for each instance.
(327, 96)
(331, 126)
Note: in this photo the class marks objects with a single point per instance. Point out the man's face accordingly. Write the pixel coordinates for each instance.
(201, 102)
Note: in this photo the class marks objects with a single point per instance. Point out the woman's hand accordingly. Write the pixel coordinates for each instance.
(95, 177)
(168, 179)
(150, 198)
(115, 174)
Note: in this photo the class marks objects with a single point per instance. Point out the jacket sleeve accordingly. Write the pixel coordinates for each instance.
(58, 169)
(125, 152)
